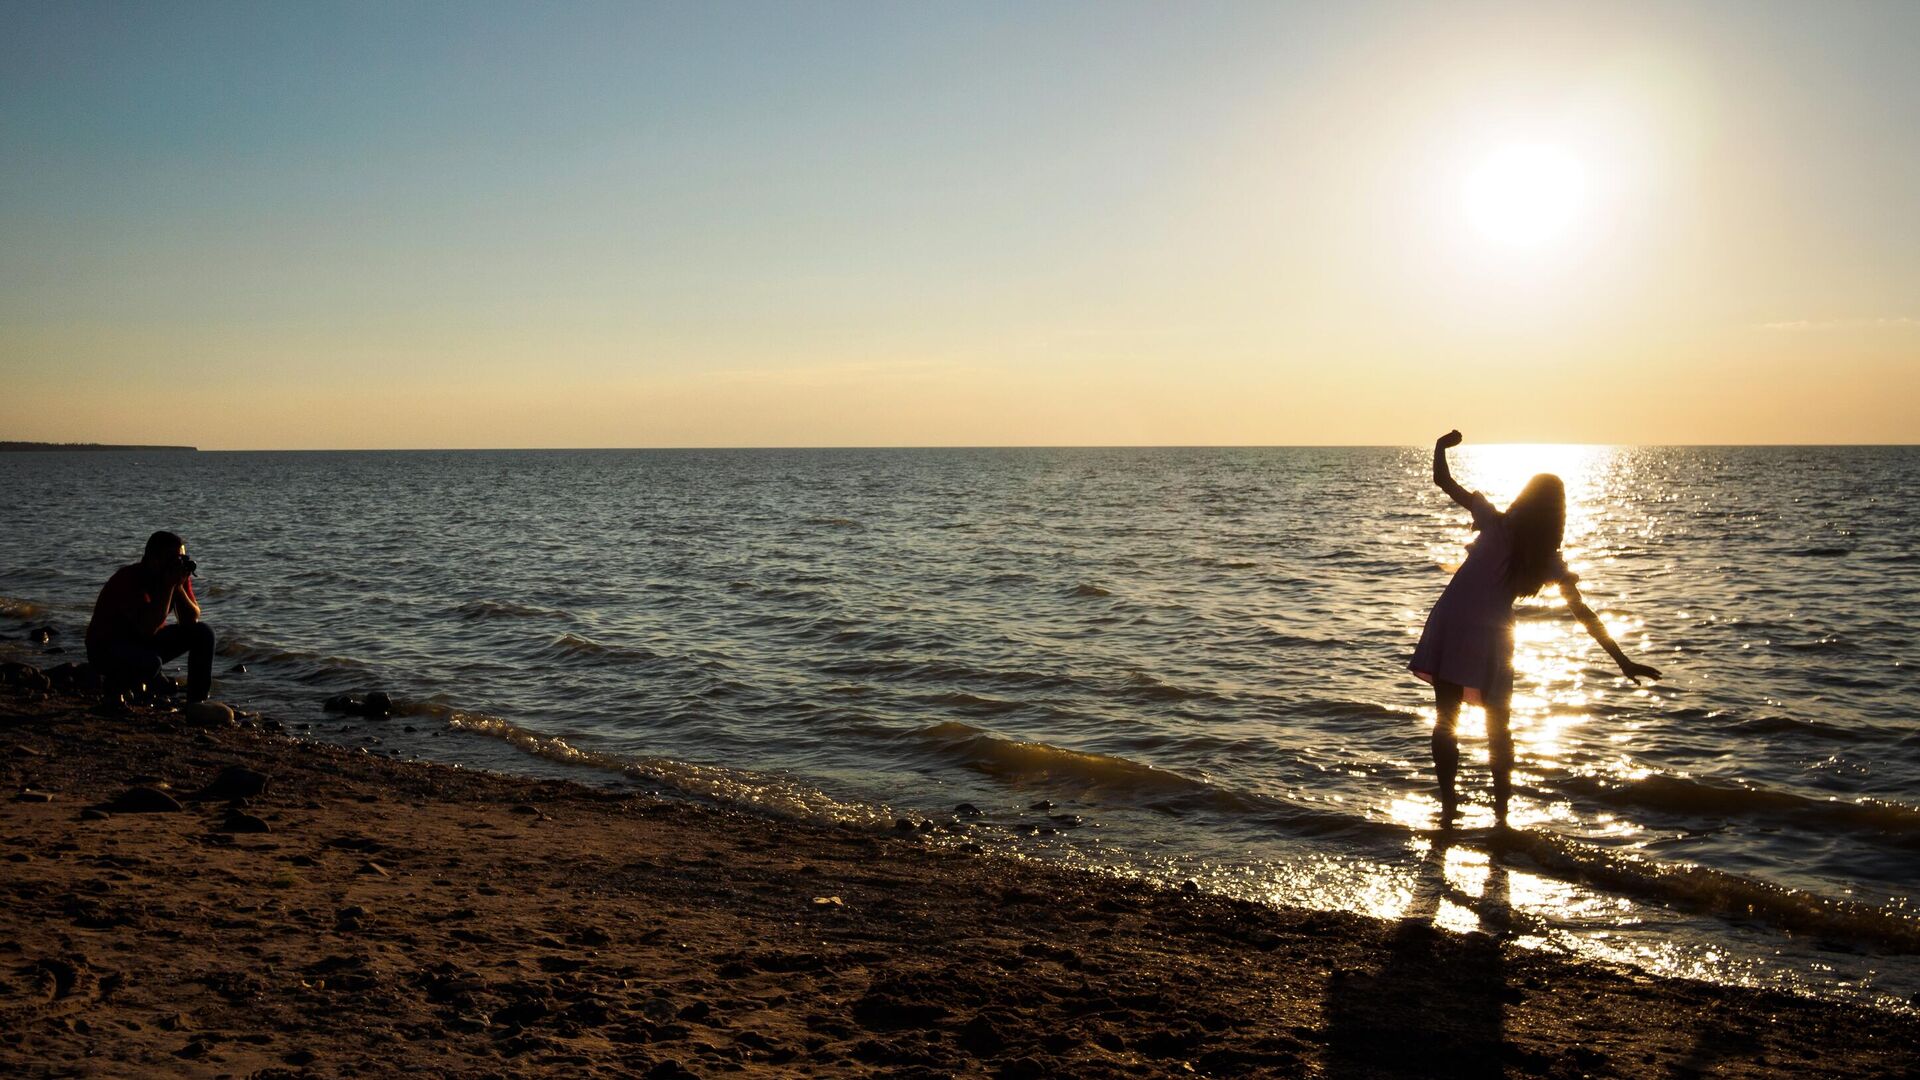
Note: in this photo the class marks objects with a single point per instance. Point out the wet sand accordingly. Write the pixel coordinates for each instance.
(400, 917)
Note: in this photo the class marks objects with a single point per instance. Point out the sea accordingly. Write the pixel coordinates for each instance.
(1179, 665)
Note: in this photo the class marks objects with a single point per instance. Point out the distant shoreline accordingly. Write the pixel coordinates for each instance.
(16, 447)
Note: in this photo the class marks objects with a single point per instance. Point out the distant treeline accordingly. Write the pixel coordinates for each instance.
(6, 446)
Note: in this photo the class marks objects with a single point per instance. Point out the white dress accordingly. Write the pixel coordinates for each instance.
(1468, 638)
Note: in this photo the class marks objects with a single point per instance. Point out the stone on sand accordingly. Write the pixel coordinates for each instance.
(234, 782)
(238, 822)
(209, 714)
(142, 800)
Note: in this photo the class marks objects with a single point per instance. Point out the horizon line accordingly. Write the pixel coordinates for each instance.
(178, 448)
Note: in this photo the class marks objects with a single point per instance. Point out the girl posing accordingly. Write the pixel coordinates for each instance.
(1466, 650)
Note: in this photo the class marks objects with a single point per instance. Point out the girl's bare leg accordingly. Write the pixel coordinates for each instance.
(1446, 746)
(1500, 753)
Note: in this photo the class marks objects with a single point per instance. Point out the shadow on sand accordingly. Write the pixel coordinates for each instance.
(1434, 1005)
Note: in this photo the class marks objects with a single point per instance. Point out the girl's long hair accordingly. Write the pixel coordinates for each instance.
(1536, 520)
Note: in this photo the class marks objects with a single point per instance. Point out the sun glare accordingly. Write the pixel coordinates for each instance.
(1525, 196)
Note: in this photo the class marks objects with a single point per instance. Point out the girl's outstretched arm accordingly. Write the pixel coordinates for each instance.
(1588, 619)
(1442, 475)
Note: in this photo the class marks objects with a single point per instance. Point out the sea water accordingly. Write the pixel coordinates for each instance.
(1180, 664)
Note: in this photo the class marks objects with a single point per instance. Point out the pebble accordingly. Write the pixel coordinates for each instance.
(234, 782)
(143, 800)
(376, 705)
(209, 714)
(30, 795)
(238, 822)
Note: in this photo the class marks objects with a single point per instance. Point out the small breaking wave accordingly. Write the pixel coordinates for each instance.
(13, 608)
(1084, 772)
(575, 647)
(1341, 709)
(1091, 776)
(1792, 725)
(308, 666)
(767, 794)
(1145, 688)
(947, 672)
(1686, 795)
(1715, 892)
(1090, 590)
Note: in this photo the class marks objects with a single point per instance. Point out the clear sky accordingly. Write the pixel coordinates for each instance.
(692, 224)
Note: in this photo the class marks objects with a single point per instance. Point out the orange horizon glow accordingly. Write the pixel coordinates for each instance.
(1599, 224)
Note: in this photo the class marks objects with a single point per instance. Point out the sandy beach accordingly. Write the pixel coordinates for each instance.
(362, 916)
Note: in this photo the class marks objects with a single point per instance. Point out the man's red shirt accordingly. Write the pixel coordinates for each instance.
(131, 609)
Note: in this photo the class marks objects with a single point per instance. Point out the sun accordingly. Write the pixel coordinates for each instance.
(1525, 196)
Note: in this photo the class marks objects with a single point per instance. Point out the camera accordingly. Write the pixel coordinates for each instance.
(189, 566)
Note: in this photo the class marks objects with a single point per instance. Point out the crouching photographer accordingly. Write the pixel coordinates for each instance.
(129, 637)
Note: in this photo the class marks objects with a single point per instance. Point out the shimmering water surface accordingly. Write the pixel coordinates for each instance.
(1197, 656)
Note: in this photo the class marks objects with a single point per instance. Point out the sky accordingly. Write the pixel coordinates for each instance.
(339, 225)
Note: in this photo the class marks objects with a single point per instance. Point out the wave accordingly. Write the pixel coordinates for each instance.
(1145, 688)
(870, 640)
(13, 608)
(1715, 892)
(1115, 780)
(573, 646)
(502, 609)
(774, 795)
(832, 522)
(1686, 795)
(1089, 591)
(961, 701)
(1083, 771)
(1792, 725)
(1343, 709)
(949, 673)
(1824, 552)
(1265, 634)
(309, 666)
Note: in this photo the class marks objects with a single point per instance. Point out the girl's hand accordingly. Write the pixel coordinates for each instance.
(1448, 441)
(1636, 672)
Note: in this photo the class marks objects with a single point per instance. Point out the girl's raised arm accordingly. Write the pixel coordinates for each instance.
(1588, 619)
(1442, 476)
